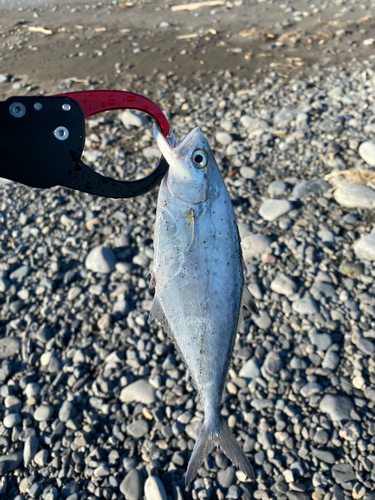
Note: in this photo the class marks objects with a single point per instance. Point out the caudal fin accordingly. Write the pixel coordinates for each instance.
(212, 435)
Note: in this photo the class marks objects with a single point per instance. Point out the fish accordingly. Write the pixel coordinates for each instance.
(199, 282)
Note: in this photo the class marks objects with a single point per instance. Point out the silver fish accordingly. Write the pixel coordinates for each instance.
(199, 283)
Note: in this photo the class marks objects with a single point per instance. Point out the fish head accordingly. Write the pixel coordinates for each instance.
(189, 163)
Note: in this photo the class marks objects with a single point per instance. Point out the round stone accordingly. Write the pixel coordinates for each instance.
(367, 152)
(355, 195)
(43, 413)
(272, 209)
(364, 248)
(101, 260)
(154, 489)
(12, 420)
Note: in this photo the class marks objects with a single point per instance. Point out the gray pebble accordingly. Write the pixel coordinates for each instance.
(343, 473)
(223, 138)
(254, 245)
(30, 449)
(67, 411)
(10, 462)
(140, 391)
(154, 489)
(321, 340)
(101, 260)
(284, 285)
(351, 269)
(367, 152)
(277, 188)
(306, 188)
(132, 485)
(366, 346)
(225, 477)
(137, 429)
(336, 406)
(263, 321)
(331, 360)
(250, 370)
(12, 420)
(310, 389)
(324, 456)
(364, 248)
(272, 209)
(306, 305)
(248, 172)
(43, 413)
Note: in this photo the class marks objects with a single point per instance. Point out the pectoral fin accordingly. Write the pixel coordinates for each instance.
(248, 301)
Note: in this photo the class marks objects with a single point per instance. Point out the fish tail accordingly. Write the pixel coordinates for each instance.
(214, 434)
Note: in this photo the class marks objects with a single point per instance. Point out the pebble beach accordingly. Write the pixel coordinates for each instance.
(97, 404)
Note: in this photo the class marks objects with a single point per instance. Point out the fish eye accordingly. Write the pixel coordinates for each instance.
(200, 158)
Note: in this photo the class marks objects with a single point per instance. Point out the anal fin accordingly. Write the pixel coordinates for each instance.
(248, 301)
(156, 312)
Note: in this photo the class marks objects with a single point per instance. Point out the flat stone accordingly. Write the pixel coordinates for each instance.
(10, 462)
(272, 209)
(137, 429)
(364, 248)
(132, 485)
(306, 188)
(285, 116)
(306, 305)
(132, 119)
(336, 406)
(322, 289)
(324, 456)
(101, 260)
(154, 489)
(223, 138)
(43, 413)
(140, 391)
(9, 347)
(254, 245)
(343, 473)
(250, 370)
(19, 273)
(366, 346)
(355, 195)
(284, 285)
(367, 152)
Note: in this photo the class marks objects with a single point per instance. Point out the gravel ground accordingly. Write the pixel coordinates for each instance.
(94, 403)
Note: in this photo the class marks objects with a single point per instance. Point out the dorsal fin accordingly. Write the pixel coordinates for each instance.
(248, 301)
(156, 312)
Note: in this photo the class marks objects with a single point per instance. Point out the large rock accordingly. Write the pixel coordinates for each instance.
(355, 195)
(367, 152)
(254, 245)
(337, 407)
(272, 209)
(101, 260)
(140, 392)
(364, 248)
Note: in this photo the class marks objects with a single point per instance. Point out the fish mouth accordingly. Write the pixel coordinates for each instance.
(168, 145)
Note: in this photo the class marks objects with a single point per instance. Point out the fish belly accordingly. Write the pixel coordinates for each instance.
(199, 283)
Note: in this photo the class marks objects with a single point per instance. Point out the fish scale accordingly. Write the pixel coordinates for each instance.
(199, 283)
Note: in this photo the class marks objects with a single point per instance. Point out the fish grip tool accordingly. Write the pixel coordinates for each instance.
(42, 140)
